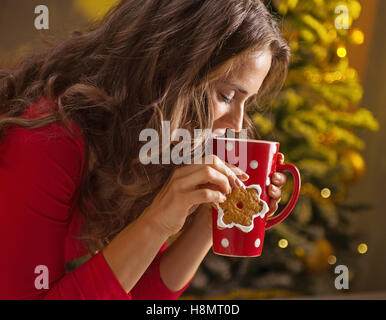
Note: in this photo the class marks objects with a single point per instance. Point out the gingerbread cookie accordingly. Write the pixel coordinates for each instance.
(240, 208)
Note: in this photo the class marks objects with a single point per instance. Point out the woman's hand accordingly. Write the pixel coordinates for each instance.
(274, 189)
(204, 212)
(187, 188)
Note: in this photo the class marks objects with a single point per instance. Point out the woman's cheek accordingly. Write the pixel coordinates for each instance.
(219, 111)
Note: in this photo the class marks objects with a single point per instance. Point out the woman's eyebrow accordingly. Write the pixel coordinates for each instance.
(237, 86)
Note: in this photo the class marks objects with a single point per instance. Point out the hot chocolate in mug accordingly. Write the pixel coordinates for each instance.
(258, 158)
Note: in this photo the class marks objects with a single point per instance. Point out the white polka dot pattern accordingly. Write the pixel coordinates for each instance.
(253, 164)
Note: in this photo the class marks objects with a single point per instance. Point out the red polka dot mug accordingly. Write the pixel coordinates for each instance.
(258, 159)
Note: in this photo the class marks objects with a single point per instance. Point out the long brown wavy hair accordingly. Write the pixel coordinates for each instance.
(145, 62)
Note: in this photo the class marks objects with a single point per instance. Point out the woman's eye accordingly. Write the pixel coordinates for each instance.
(226, 100)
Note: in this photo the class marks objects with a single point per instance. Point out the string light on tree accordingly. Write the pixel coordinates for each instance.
(357, 36)
(341, 52)
(325, 193)
(362, 248)
(283, 243)
(331, 259)
(357, 164)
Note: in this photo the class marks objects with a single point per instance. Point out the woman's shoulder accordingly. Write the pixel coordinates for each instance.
(53, 142)
(45, 164)
(45, 106)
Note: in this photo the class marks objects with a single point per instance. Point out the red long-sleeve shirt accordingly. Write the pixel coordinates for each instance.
(40, 172)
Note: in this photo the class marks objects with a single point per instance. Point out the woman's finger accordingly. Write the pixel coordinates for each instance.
(205, 175)
(193, 208)
(273, 206)
(279, 179)
(280, 157)
(205, 196)
(243, 175)
(225, 169)
(274, 192)
(218, 165)
(186, 170)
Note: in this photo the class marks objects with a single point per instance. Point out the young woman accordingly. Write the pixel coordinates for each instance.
(71, 182)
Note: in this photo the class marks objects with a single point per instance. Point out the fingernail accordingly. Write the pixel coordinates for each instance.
(222, 197)
(240, 172)
(239, 183)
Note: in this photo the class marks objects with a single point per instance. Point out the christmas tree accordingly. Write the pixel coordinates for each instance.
(317, 118)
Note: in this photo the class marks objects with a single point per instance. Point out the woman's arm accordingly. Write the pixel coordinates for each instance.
(131, 252)
(182, 258)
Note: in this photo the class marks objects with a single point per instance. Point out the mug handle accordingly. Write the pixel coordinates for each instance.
(270, 222)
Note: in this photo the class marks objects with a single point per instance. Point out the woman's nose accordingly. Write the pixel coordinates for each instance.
(236, 118)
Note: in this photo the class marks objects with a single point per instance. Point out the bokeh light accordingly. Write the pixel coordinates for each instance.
(357, 36)
(325, 193)
(362, 248)
(283, 243)
(331, 259)
(341, 52)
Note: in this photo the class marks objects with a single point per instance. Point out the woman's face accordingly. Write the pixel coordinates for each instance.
(230, 94)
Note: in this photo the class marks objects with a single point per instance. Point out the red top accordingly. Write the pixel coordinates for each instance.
(40, 172)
